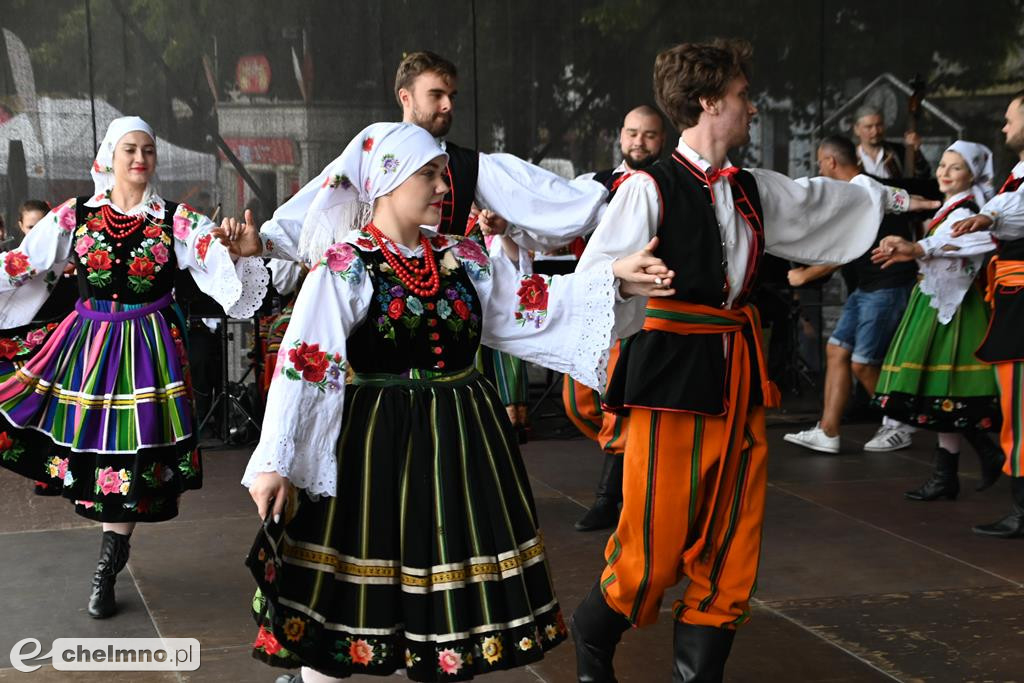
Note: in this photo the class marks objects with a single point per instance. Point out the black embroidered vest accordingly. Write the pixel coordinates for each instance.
(136, 269)
(404, 331)
(662, 370)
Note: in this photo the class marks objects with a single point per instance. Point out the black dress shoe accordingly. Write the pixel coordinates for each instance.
(700, 653)
(114, 551)
(1012, 525)
(944, 482)
(596, 629)
(604, 513)
(289, 678)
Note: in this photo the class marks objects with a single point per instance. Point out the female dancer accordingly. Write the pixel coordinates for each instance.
(400, 526)
(102, 409)
(930, 377)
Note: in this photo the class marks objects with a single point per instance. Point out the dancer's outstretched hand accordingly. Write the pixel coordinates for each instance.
(894, 249)
(972, 224)
(270, 492)
(644, 274)
(241, 238)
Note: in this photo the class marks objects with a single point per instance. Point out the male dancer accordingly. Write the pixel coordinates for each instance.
(694, 378)
(640, 141)
(1003, 347)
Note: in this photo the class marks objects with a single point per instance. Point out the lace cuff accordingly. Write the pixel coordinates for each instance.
(240, 287)
(314, 470)
(594, 321)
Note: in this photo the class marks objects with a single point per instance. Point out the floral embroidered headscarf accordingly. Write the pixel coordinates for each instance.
(979, 160)
(377, 160)
(103, 166)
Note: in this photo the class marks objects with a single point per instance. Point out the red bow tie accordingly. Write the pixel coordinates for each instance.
(1011, 184)
(727, 173)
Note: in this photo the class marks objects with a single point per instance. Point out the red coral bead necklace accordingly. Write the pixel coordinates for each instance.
(421, 280)
(118, 226)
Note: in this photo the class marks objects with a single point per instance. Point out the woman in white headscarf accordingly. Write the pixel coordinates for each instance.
(101, 408)
(930, 377)
(400, 530)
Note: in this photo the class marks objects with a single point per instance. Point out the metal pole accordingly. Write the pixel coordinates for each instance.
(88, 61)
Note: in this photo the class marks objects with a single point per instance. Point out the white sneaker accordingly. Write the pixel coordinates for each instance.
(888, 439)
(815, 439)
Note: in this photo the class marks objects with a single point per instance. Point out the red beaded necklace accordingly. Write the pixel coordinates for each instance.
(421, 280)
(118, 226)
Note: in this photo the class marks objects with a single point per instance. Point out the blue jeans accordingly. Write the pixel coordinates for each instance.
(868, 323)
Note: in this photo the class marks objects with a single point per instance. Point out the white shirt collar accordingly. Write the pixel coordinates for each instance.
(622, 168)
(151, 203)
(692, 156)
(877, 159)
(1018, 170)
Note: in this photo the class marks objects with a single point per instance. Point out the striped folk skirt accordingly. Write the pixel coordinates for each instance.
(507, 373)
(101, 412)
(429, 558)
(930, 377)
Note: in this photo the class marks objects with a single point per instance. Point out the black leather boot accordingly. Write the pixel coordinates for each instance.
(943, 483)
(113, 558)
(700, 653)
(289, 678)
(990, 457)
(604, 513)
(1012, 525)
(596, 628)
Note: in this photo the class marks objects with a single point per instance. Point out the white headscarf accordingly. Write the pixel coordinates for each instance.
(103, 166)
(377, 160)
(979, 161)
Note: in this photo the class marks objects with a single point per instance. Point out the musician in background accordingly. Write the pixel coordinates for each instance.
(880, 157)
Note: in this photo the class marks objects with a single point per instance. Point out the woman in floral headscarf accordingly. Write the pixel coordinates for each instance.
(101, 409)
(409, 538)
(930, 377)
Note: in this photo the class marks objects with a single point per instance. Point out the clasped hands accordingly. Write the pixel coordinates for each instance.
(242, 238)
(644, 274)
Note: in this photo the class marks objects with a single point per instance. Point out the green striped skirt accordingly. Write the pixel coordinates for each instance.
(930, 377)
(429, 558)
(507, 373)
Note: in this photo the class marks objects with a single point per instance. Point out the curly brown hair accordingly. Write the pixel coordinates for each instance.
(689, 71)
(416, 63)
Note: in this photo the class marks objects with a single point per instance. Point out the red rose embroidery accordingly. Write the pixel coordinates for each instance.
(310, 361)
(364, 243)
(203, 245)
(367, 144)
(533, 293)
(439, 241)
(396, 308)
(9, 349)
(267, 641)
(5, 442)
(16, 263)
(141, 267)
(461, 309)
(99, 260)
(151, 230)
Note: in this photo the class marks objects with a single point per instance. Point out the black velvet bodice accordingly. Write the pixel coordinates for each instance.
(136, 269)
(404, 331)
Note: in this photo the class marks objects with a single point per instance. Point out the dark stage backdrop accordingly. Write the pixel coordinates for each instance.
(282, 84)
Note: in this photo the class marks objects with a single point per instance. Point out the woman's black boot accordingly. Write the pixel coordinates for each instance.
(113, 558)
(944, 483)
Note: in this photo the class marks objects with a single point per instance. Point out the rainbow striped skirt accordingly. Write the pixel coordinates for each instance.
(102, 411)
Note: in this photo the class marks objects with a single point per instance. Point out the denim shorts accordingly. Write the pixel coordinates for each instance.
(868, 323)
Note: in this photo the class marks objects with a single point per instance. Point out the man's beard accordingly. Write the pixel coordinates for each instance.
(639, 164)
(436, 124)
(1016, 143)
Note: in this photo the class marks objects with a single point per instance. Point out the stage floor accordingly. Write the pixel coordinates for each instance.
(856, 583)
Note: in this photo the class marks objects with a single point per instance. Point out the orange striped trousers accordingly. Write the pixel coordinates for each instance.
(1011, 399)
(694, 489)
(583, 408)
